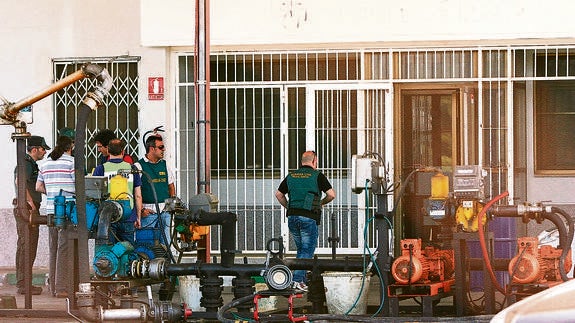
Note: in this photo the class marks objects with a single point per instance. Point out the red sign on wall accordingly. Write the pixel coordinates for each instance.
(155, 88)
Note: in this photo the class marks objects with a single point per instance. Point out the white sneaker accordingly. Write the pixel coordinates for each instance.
(299, 286)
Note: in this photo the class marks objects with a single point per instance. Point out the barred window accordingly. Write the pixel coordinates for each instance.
(555, 127)
(120, 110)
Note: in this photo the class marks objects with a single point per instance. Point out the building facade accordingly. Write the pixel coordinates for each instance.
(440, 83)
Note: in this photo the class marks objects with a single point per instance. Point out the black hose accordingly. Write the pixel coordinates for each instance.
(569, 241)
(80, 188)
(231, 304)
(160, 219)
(563, 236)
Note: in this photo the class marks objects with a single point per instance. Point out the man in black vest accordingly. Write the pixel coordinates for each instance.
(304, 188)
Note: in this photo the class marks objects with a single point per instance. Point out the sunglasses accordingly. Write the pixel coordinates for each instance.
(162, 147)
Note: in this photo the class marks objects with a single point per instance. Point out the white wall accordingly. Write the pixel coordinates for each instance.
(34, 32)
(245, 22)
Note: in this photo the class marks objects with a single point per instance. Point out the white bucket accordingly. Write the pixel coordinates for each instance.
(342, 291)
(266, 304)
(190, 292)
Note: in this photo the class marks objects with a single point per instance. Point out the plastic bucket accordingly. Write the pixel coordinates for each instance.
(342, 291)
(189, 289)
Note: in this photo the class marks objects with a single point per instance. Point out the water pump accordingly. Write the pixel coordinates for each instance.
(422, 265)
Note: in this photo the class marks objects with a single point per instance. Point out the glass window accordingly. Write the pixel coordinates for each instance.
(555, 127)
(245, 131)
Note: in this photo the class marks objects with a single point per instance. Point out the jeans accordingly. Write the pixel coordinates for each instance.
(122, 231)
(59, 262)
(304, 232)
(151, 221)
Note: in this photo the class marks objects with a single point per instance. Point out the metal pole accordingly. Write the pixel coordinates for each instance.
(202, 91)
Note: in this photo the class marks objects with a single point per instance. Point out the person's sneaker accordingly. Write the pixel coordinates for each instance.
(36, 290)
(300, 286)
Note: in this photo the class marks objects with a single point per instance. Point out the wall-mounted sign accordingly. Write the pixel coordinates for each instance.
(155, 88)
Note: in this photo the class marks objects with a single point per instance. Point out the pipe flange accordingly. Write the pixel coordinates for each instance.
(279, 277)
(156, 268)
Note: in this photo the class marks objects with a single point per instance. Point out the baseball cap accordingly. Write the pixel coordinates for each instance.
(37, 141)
(68, 132)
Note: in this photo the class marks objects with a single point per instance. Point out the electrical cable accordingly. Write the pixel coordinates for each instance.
(365, 244)
(159, 213)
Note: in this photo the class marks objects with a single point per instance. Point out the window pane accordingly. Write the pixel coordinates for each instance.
(555, 125)
(244, 129)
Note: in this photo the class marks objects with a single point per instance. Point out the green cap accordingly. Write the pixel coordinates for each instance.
(68, 132)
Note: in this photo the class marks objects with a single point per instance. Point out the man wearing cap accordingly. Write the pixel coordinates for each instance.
(36, 147)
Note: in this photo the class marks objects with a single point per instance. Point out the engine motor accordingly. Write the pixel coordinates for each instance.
(535, 264)
(417, 265)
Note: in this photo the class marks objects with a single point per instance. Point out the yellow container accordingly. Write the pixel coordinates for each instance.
(439, 186)
(119, 188)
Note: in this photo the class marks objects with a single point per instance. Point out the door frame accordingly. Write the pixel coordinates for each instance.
(388, 154)
(466, 134)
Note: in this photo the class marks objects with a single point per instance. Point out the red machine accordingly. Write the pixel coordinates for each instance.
(417, 265)
(534, 264)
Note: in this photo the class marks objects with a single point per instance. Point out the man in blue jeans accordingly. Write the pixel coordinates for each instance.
(304, 188)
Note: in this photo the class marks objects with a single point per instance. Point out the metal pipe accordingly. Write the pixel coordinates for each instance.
(227, 220)
(201, 81)
(12, 111)
(123, 314)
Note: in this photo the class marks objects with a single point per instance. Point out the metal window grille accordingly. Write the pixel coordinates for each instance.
(267, 107)
(120, 111)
